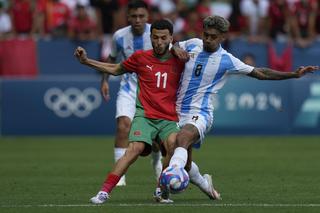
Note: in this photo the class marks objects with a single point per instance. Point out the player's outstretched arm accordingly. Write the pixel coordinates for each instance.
(270, 74)
(113, 69)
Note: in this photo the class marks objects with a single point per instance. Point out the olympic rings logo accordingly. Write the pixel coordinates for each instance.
(72, 101)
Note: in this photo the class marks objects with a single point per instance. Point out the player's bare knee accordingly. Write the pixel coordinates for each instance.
(134, 149)
(139, 147)
(184, 139)
(123, 128)
(123, 125)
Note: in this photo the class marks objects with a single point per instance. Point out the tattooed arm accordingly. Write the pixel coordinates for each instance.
(270, 74)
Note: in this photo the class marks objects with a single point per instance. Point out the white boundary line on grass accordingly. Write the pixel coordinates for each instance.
(265, 205)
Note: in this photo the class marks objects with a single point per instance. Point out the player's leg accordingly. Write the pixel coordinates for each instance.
(169, 145)
(121, 141)
(133, 151)
(193, 129)
(200, 126)
(168, 135)
(185, 138)
(141, 131)
(156, 157)
(120, 168)
(126, 106)
(131, 155)
(166, 148)
(203, 182)
(125, 109)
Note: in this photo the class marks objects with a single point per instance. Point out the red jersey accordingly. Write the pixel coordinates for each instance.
(278, 13)
(302, 10)
(158, 82)
(81, 26)
(56, 13)
(22, 16)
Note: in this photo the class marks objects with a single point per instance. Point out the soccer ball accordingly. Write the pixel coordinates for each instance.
(174, 179)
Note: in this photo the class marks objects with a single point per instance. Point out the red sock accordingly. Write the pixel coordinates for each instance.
(110, 183)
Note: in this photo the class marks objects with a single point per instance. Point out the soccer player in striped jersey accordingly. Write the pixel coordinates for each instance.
(158, 73)
(205, 73)
(125, 42)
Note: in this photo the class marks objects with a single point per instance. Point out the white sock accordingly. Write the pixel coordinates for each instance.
(179, 157)
(118, 153)
(156, 163)
(156, 156)
(196, 178)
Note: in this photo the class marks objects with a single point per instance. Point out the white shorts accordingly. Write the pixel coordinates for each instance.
(203, 124)
(126, 99)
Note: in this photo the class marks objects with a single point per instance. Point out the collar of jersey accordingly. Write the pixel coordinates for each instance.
(215, 52)
(165, 57)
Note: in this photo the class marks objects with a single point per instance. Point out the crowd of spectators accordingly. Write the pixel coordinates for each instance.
(256, 20)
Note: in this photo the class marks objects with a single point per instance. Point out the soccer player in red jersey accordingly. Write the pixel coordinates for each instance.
(125, 42)
(158, 74)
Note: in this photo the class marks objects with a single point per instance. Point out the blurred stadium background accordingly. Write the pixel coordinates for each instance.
(44, 91)
(61, 97)
(57, 133)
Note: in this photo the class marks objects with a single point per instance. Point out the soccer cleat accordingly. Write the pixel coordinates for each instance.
(210, 191)
(122, 181)
(161, 197)
(100, 198)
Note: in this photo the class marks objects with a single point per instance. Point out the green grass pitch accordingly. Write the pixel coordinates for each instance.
(253, 174)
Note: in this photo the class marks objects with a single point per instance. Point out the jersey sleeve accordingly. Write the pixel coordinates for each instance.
(132, 63)
(238, 66)
(189, 44)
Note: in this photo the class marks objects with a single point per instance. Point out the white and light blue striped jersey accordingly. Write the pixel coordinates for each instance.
(124, 44)
(204, 74)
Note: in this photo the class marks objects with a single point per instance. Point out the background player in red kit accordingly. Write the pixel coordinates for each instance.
(158, 74)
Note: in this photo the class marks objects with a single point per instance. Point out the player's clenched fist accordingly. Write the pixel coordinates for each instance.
(307, 69)
(81, 54)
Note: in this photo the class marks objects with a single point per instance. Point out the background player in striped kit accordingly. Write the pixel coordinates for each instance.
(205, 73)
(125, 42)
